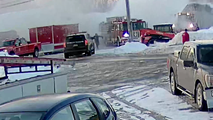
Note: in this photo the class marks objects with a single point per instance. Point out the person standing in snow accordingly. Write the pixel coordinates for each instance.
(185, 36)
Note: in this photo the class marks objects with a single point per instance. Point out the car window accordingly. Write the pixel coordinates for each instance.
(103, 107)
(191, 55)
(184, 53)
(64, 114)
(17, 42)
(86, 110)
(23, 41)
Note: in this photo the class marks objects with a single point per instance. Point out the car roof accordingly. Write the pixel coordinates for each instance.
(163, 24)
(76, 34)
(199, 42)
(9, 40)
(41, 103)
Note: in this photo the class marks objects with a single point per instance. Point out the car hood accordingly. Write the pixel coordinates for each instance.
(207, 68)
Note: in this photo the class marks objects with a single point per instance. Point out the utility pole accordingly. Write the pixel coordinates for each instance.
(128, 20)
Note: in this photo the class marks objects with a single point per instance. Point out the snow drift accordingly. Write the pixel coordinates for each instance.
(129, 47)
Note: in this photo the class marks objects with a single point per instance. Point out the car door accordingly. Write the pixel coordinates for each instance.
(63, 114)
(104, 109)
(24, 46)
(17, 49)
(181, 70)
(85, 110)
(190, 71)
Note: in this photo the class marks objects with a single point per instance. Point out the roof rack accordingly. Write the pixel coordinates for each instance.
(23, 62)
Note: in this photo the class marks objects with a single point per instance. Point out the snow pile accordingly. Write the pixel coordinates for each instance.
(7, 55)
(129, 47)
(204, 34)
(160, 101)
(176, 42)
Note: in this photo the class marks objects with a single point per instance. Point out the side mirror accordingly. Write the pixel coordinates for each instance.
(188, 63)
(177, 53)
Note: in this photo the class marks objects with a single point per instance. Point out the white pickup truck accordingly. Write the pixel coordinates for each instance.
(191, 72)
(32, 76)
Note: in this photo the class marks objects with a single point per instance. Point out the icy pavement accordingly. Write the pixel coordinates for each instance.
(155, 102)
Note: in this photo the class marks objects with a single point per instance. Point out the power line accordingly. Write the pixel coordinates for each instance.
(13, 3)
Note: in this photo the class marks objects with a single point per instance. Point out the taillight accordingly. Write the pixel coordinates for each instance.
(86, 42)
(64, 44)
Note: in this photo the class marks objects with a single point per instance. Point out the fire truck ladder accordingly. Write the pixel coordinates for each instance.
(23, 62)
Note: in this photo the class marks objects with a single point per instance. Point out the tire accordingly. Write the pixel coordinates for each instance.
(93, 50)
(173, 85)
(89, 53)
(201, 103)
(66, 55)
(12, 53)
(36, 53)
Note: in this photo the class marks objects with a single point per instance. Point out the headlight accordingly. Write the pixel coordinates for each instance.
(191, 25)
(209, 80)
(5, 50)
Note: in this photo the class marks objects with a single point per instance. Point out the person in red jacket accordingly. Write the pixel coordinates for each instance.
(185, 36)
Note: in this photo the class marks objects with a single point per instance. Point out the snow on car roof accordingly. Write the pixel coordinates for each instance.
(199, 42)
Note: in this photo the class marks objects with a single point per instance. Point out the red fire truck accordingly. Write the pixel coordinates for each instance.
(115, 30)
(52, 38)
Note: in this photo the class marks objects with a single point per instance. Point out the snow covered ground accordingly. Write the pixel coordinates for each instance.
(157, 100)
(133, 47)
(124, 111)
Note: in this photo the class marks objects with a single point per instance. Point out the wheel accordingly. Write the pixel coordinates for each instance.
(173, 85)
(12, 53)
(36, 53)
(93, 49)
(66, 55)
(202, 105)
(89, 53)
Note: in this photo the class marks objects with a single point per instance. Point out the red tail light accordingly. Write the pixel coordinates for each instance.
(64, 44)
(86, 42)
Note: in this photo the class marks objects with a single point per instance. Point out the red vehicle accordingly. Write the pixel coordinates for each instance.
(161, 33)
(21, 47)
(115, 30)
(52, 38)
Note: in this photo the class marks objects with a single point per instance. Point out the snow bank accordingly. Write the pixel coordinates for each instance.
(129, 47)
(160, 101)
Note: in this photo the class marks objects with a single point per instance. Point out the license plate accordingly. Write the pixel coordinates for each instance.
(75, 45)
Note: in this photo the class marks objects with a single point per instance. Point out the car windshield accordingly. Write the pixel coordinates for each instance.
(75, 38)
(164, 28)
(205, 54)
(20, 116)
(8, 43)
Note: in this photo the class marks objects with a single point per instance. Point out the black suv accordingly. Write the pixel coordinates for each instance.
(77, 44)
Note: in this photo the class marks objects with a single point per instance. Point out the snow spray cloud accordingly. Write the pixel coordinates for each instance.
(51, 12)
(202, 1)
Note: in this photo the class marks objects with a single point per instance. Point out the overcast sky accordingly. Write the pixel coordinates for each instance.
(49, 12)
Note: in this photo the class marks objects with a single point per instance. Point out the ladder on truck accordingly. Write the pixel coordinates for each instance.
(21, 62)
